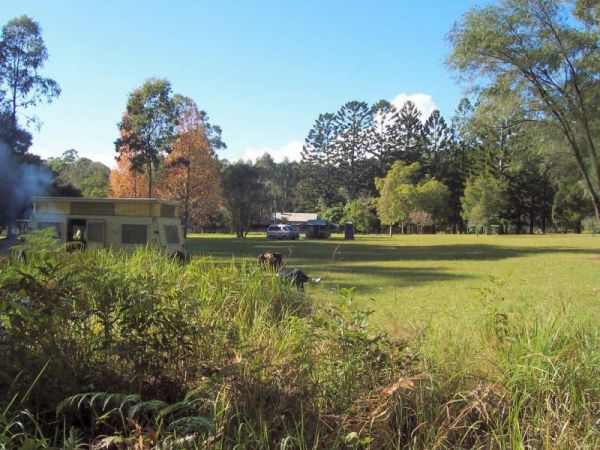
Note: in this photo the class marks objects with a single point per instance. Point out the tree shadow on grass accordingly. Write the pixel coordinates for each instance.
(326, 251)
(369, 279)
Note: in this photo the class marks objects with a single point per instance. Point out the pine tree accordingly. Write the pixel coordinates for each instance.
(384, 135)
(319, 171)
(410, 134)
(437, 138)
(353, 122)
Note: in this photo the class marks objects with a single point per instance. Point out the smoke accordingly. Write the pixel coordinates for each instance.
(19, 181)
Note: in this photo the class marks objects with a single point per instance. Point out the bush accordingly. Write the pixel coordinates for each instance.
(203, 350)
(591, 224)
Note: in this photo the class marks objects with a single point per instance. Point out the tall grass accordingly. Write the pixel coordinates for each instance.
(120, 351)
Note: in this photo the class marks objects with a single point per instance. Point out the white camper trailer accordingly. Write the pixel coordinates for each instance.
(121, 224)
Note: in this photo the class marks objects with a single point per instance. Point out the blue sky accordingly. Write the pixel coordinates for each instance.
(263, 70)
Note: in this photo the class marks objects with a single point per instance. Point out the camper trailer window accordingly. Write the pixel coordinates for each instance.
(134, 234)
(171, 234)
(55, 225)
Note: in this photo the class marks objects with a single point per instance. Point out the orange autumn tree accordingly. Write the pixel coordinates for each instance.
(191, 174)
(123, 181)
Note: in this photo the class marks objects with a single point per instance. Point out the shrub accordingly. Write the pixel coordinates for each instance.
(591, 224)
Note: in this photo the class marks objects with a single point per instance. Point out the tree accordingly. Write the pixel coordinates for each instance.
(87, 176)
(384, 135)
(404, 191)
(244, 195)
(453, 165)
(280, 180)
(191, 173)
(22, 54)
(432, 198)
(421, 219)
(148, 126)
(124, 182)
(319, 172)
(359, 212)
(410, 134)
(213, 134)
(544, 53)
(353, 123)
(437, 139)
(333, 214)
(397, 194)
(528, 196)
(569, 207)
(482, 201)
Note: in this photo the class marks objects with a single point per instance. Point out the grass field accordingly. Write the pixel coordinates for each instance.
(423, 279)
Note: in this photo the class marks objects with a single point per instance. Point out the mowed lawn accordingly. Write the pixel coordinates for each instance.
(424, 279)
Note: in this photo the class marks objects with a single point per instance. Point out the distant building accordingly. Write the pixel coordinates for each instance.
(298, 219)
(318, 229)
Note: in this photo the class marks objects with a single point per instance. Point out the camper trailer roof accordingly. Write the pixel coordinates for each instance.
(103, 200)
(81, 206)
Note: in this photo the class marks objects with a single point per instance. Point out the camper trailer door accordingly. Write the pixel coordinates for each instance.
(95, 233)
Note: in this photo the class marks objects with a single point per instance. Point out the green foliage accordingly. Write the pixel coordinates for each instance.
(410, 133)
(539, 53)
(320, 177)
(280, 180)
(148, 126)
(89, 177)
(359, 212)
(569, 207)
(591, 225)
(353, 123)
(245, 195)
(401, 193)
(385, 135)
(482, 200)
(333, 214)
(151, 351)
(433, 197)
(22, 56)
(396, 193)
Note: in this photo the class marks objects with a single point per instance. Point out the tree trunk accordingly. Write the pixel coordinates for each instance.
(390, 230)
(531, 213)
(544, 224)
(150, 179)
(186, 214)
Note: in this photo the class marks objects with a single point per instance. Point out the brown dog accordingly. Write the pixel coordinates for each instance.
(273, 260)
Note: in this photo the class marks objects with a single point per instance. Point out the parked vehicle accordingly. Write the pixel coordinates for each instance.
(282, 231)
(121, 224)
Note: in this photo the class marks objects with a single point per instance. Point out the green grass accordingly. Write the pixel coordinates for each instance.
(418, 279)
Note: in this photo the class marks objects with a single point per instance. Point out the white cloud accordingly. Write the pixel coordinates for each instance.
(292, 151)
(423, 102)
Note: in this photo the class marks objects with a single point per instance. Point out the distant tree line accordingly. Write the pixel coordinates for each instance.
(518, 155)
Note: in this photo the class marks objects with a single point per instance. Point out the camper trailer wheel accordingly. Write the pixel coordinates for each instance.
(178, 256)
(22, 255)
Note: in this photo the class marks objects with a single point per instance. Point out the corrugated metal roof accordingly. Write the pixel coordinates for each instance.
(295, 217)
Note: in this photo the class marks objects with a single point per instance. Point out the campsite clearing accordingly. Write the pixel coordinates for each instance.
(422, 279)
